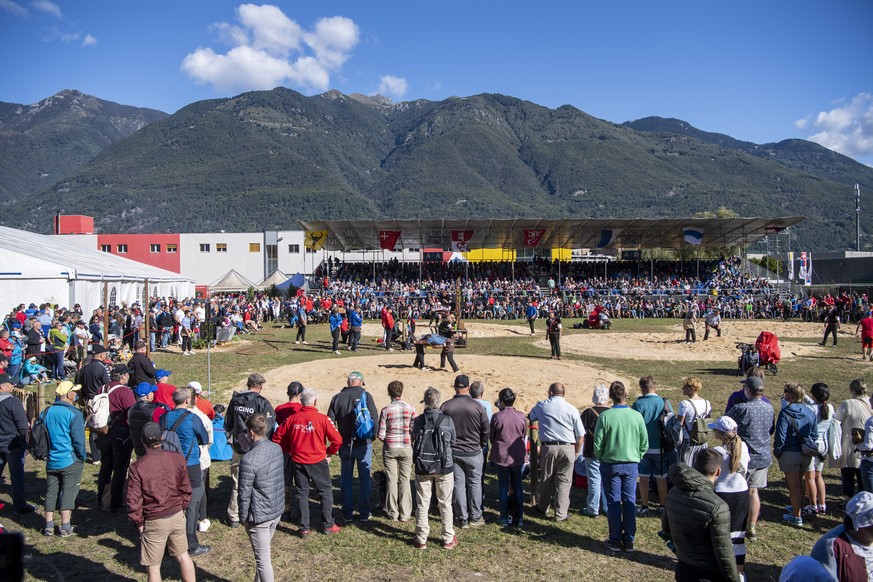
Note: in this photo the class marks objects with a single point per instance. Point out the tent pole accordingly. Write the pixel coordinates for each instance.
(147, 311)
(105, 314)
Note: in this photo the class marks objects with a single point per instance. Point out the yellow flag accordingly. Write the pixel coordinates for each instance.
(315, 239)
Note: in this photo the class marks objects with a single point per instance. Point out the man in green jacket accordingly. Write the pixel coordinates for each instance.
(620, 441)
(698, 520)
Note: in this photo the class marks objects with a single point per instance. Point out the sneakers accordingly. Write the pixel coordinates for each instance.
(629, 547)
(791, 520)
(464, 524)
(419, 545)
(451, 545)
(303, 533)
(336, 352)
(752, 533)
(66, 532)
(363, 518)
(204, 525)
(643, 512)
(24, 510)
(503, 522)
(305, 343)
(477, 523)
(297, 342)
(808, 511)
(234, 524)
(201, 549)
(48, 531)
(613, 546)
(334, 529)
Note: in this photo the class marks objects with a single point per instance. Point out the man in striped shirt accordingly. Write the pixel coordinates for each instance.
(395, 426)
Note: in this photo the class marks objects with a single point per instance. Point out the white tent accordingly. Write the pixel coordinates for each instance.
(230, 282)
(277, 277)
(35, 268)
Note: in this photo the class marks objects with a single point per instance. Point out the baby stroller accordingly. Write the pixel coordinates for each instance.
(748, 359)
(769, 352)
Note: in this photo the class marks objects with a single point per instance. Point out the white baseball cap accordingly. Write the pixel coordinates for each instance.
(196, 386)
(724, 424)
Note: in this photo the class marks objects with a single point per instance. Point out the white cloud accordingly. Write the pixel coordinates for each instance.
(269, 49)
(48, 8)
(12, 8)
(89, 40)
(392, 86)
(847, 129)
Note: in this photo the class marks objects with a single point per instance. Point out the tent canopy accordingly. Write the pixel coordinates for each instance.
(630, 233)
(277, 277)
(231, 281)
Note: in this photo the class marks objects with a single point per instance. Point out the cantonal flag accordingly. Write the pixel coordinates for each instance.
(533, 236)
(388, 239)
(461, 240)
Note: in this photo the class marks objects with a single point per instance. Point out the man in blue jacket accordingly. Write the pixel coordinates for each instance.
(356, 322)
(191, 433)
(13, 442)
(66, 429)
(531, 313)
(336, 321)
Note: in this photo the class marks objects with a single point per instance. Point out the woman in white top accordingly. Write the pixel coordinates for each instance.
(824, 415)
(731, 485)
(690, 409)
(852, 413)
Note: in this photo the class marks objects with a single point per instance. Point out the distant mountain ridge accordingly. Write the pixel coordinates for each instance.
(266, 159)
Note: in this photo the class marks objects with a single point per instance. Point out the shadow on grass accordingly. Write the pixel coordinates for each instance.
(720, 372)
(63, 566)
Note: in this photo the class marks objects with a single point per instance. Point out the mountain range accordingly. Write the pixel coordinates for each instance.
(263, 160)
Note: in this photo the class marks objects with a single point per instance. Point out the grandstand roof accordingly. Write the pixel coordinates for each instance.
(627, 233)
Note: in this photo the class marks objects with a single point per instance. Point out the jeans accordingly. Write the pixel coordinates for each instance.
(866, 469)
(355, 340)
(468, 487)
(362, 457)
(506, 477)
(14, 457)
(58, 365)
(152, 340)
(596, 495)
(260, 536)
(165, 338)
(620, 486)
(335, 336)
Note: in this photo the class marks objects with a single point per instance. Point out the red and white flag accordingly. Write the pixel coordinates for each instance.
(388, 239)
(461, 240)
(533, 236)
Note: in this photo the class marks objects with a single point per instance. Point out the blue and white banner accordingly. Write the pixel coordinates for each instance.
(607, 237)
(692, 235)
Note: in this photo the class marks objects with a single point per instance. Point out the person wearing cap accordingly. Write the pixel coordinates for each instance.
(116, 446)
(731, 484)
(472, 431)
(158, 492)
(561, 435)
(755, 422)
(757, 386)
(554, 330)
(698, 521)
(311, 439)
(141, 368)
(846, 549)
(712, 320)
(241, 406)
(202, 403)
(93, 376)
(865, 326)
(395, 428)
(145, 410)
(356, 451)
(65, 424)
(164, 393)
(13, 442)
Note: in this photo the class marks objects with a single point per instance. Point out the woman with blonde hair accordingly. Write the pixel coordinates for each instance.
(691, 409)
(852, 414)
(731, 485)
(795, 423)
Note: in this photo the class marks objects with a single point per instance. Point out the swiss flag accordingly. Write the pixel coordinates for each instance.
(388, 238)
(461, 240)
(533, 236)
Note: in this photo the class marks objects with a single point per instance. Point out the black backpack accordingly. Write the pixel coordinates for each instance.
(38, 443)
(429, 448)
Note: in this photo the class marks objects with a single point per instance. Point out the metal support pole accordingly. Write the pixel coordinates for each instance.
(858, 217)
(147, 312)
(105, 314)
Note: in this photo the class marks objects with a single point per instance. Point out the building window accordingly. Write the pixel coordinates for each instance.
(220, 247)
(412, 250)
(153, 248)
(254, 247)
(121, 249)
(308, 250)
(106, 248)
(171, 248)
(204, 247)
(295, 249)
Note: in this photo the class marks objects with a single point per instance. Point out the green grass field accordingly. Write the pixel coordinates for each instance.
(105, 547)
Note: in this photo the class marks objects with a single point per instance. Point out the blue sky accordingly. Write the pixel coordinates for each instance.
(762, 70)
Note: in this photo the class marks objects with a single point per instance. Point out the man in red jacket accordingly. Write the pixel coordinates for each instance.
(388, 327)
(304, 438)
(158, 492)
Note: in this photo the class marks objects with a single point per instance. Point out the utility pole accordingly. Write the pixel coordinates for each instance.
(858, 217)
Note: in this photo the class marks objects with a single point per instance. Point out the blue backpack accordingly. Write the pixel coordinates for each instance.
(220, 450)
(363, 420)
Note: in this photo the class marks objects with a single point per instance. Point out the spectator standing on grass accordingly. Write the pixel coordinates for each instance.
(531, 313)
(824, 414)
(141, 368)
(554, 330)
(158, 492)
(439, 430)
(116, 446)
(561, 435)
(283, 413)
(731, 484)
(596, 498)
(508, 452)
(692, 408)
(656, 461)
(852, 413)
(13, 443)
(699, 521)
(261, 493)
(471, 436)
(355, 451)
(93, 376)
(66, 429)
(795, 422)
(242, 405)
(620, 441)
(755, 423)
(395, 432)
(144, 411)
